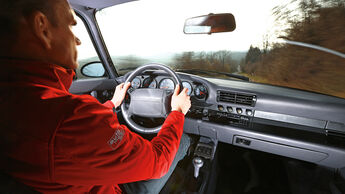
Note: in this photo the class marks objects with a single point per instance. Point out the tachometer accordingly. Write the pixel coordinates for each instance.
(189, 86)
(135, 83)
(200, 92)
(167, 84)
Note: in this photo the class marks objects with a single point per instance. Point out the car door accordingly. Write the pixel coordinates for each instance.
(92, 53)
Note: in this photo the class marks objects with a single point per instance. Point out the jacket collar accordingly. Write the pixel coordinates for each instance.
(35, 72)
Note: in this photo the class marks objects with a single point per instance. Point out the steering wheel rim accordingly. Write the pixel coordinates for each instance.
(136, 72)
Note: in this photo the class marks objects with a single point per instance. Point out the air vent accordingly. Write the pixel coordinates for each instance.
(335, 133)
(226, 97)
(236, 98)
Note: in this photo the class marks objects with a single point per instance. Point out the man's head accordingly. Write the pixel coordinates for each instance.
(39, 30)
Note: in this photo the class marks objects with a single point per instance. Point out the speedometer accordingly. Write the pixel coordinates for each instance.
(167, 84)
(188, 86)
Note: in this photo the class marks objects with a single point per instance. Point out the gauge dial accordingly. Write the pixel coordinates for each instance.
(200, 92)
(167, 84)
(188, 86)
(149, 82)
(135, 83)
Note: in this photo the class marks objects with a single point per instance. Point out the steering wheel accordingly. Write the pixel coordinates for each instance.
(148, 102)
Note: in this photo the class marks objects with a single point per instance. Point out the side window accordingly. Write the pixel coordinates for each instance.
(86, 52)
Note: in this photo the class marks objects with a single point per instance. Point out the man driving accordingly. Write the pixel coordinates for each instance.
(57, 142)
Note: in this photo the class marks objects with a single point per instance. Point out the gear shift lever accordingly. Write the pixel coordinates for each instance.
(197, 163)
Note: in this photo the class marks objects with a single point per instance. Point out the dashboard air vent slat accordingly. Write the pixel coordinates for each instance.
(236, 98)
(244, 99)
(226, 97)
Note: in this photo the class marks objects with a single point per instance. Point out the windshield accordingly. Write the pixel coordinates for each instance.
(142, 32)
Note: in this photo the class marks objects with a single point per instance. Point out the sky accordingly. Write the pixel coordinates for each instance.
(149, 27)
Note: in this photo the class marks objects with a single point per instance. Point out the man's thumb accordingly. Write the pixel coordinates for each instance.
(177, 89)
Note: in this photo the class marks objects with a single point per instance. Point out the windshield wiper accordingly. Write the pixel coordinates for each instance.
(241, 77)
(316, 47)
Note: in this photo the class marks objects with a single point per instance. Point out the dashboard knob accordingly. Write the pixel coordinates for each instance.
(239, 111)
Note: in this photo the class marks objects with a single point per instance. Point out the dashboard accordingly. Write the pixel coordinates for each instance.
(196, 90)
(283, 121)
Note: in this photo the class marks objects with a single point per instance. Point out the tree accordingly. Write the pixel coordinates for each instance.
(253, 55)
(216, 61)
(318, 22)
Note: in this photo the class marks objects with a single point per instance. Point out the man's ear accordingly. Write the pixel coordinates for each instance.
(42, 29)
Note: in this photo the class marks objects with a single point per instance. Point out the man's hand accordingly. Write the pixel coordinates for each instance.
(120, 93)
(180, 102)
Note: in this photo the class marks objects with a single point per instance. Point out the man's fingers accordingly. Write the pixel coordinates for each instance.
(177, 89)
(127, 85)
(120, 86)
(185, 90)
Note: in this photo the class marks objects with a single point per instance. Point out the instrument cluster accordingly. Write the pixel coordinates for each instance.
(197, 90)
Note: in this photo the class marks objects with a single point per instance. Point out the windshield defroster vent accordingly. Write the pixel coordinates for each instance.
(236, 98)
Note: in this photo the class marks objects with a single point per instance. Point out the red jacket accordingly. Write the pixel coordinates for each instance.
(58, 142)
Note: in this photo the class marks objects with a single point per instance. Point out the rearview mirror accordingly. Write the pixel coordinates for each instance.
(208, 24)
(93, 69)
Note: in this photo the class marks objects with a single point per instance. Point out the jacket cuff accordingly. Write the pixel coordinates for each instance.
(175, 112)
(109, 104)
